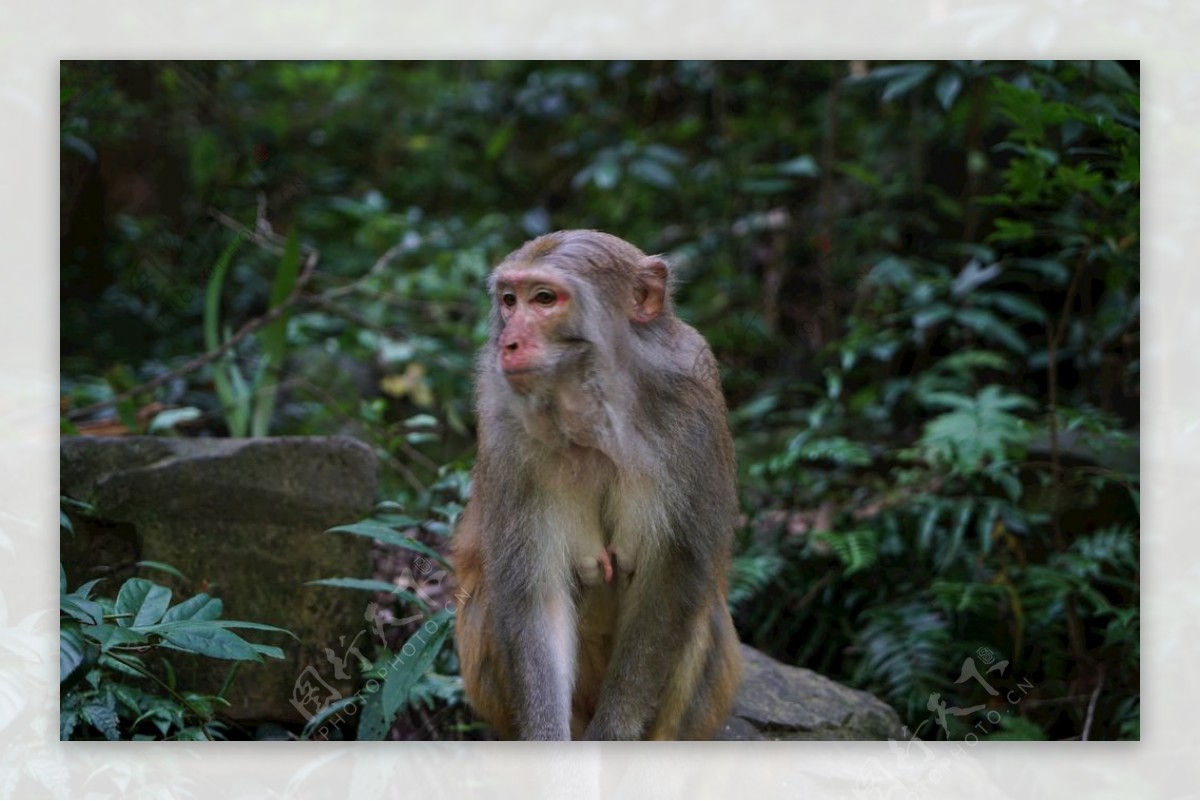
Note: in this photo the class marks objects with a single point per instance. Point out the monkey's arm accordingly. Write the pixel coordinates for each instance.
(533, 612)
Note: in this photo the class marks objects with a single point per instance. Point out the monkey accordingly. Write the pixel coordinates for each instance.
(594, 546)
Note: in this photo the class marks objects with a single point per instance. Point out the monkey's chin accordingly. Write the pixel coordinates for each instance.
(523, 381)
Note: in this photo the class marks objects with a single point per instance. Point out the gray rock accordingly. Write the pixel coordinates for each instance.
(780, 702)
(245, 520)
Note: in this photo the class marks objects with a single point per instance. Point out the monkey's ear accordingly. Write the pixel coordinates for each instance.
(650, 292)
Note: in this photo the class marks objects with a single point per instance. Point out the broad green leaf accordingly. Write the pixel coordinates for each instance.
(198, 607)
(83, 610)
(208, 640)
(76, 655)
(188, 625)
(109, 635)
(141, 602)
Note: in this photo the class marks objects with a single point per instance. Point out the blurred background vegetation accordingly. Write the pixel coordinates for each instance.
(921, 281)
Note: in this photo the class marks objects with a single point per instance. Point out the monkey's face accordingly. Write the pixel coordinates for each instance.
(536, 310)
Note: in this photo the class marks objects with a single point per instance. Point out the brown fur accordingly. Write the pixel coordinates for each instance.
(620, 453)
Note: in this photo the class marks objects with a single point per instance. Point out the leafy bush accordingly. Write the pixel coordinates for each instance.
(107, 685)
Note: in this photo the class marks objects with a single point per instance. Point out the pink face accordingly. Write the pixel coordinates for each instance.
(534, 305)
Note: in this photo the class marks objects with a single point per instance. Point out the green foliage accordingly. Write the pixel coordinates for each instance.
(417, 672)
(107, 683)
(985, 512)
(249, 404)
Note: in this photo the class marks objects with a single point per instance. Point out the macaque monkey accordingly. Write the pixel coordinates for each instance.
(595, 546)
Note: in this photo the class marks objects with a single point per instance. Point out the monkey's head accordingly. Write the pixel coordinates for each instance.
(563, 294)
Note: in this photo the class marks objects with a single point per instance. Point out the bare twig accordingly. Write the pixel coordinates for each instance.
(1091, 710)
(380, 264)
(267, 240)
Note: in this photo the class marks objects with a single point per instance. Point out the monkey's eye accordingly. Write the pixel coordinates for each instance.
(545, 297)
(508, 299)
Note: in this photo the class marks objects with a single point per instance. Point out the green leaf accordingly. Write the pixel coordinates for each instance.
(192, 734)
(372, 725)
(208, 640)
(371, 585)
(498, 142)
(325, 714)
(109, 635)
(168, 419)
(271, 651)
(991, 327)
(65, 523)
(80, 609)
(836, 449)
(907, 78)
(84, 590)
(76, 655)
(802, 166)
(1015, 305)
(409, 664)
(150, 564)
(67, 720)
(385, 534)
(274, 334)
(224, 371)
(652, 173)
(198, 607)
(857, 550)
(141, 602)
(103, 718)
(981, 428)
(947, 89)
(1011, 231)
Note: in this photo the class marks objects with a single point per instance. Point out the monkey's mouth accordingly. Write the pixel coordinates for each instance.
(523, 380)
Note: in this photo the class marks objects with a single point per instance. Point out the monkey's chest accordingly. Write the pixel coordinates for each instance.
(604, 521)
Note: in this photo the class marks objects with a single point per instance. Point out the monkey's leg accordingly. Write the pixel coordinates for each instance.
(660, 644)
